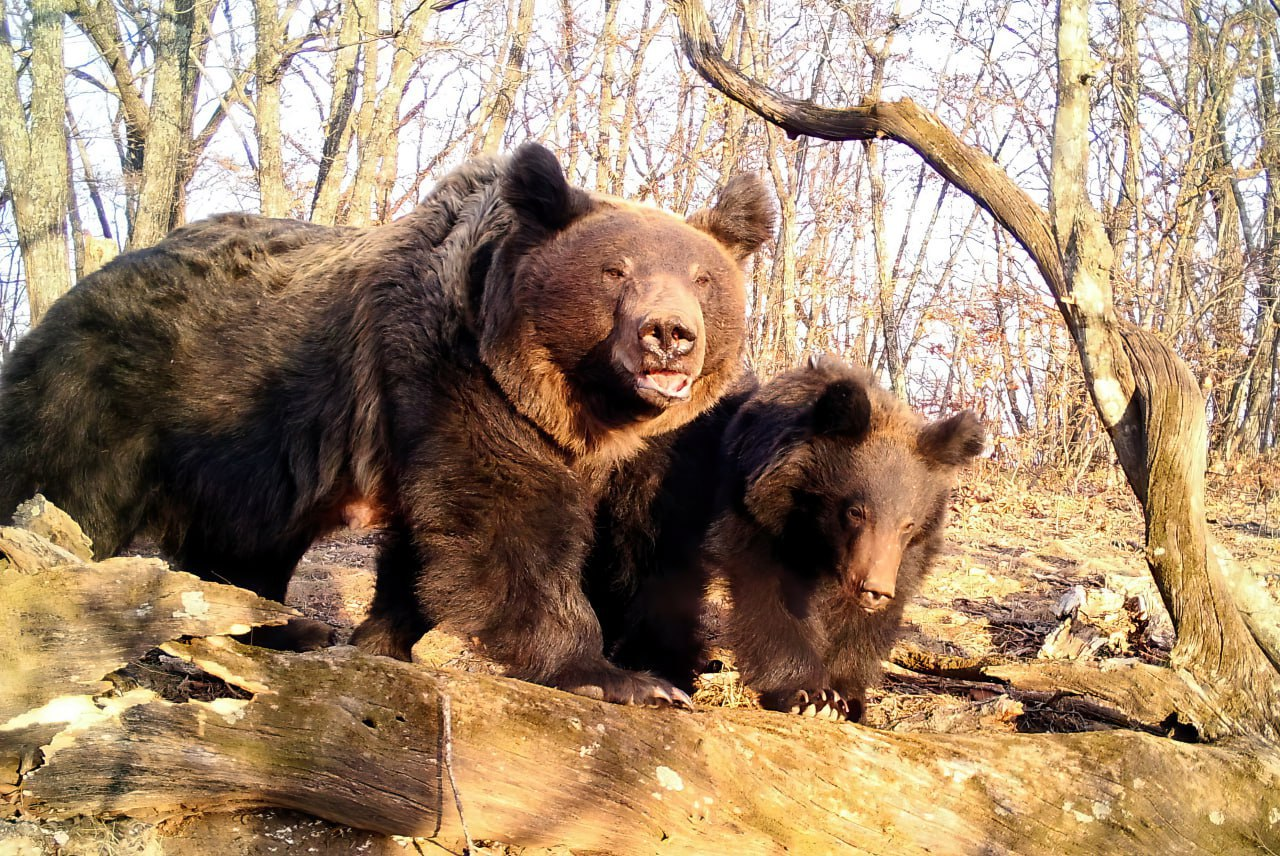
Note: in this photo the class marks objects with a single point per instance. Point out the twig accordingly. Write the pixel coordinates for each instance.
(447, 713)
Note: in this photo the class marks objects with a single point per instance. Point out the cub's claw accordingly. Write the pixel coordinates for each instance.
(681, 699)
(819, 704)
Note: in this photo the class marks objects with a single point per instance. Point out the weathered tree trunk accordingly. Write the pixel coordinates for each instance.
(33, 144)
(374, 743)
(268, 65)
(499, 101)
(1228, 631)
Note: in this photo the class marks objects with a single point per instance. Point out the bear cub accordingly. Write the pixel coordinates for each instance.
(833, 499)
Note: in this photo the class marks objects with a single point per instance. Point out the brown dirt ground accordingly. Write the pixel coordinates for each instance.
(1014, 551)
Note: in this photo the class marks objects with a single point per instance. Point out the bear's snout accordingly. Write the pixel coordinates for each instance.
(666, 343)
(872, 573)
(873, 601)
(668, 336)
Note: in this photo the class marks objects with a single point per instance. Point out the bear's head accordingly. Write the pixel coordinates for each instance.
(849, 483)
(606, 321)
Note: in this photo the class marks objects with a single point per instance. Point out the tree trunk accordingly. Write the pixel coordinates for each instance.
(499, 102)
(338, 130)
(166, 138)
(380, 112)
(607, 49)
(273, 200)
(33, 145)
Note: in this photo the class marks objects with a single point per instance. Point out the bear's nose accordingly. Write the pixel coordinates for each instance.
(873, 601)
(669, 336)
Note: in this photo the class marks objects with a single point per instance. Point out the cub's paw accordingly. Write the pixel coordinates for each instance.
(819, 704)
(620, 686)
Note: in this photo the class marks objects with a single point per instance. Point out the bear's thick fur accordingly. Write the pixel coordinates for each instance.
(645, 575)
(834, 498)
(800, 493)
(472, 372)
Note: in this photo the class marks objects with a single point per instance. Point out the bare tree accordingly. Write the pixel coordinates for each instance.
(499, 101)
(33, 143)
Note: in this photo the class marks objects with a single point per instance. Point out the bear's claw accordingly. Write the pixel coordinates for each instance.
(820, 704)
(619, 686)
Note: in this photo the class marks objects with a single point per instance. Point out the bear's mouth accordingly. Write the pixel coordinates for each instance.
(667, 384)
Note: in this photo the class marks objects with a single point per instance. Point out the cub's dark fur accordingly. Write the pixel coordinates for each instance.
(834, 500)
(645, 574)
(473, 371)
(819, 496)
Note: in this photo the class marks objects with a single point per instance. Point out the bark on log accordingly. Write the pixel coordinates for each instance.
(361, 740)
(1136, 695)
(358, 740)
(76, 623)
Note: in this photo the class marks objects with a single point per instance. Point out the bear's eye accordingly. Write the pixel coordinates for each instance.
(703, 279)
(908, 528)
(615, 273)
(856, 514)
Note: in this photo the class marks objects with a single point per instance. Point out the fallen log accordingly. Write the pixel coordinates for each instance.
(362, 741)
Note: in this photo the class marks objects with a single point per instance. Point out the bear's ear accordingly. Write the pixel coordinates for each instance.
(742, 218)
(537, 191)
(842, 410)
(952, 441)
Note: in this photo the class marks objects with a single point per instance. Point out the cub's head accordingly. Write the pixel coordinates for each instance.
(606, 321)
(847, 483)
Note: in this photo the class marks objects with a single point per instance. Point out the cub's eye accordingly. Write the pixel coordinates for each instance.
(614, 273)
(857, 514)
(702, 278)
(908, 528)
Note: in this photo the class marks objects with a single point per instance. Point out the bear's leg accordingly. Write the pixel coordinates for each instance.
(776, 650)
(663, 630)
(396, 617)
(544, 630)
(857, 648)
(521, 595)
(265, 573)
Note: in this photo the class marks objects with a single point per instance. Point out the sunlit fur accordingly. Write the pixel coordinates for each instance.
(238, 386)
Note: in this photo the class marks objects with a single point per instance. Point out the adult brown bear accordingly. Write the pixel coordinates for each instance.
(474, 370)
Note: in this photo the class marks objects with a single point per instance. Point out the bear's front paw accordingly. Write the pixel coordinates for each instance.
(620, 686)
(820, 704)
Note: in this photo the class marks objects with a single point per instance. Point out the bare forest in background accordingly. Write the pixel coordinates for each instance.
(120, 120)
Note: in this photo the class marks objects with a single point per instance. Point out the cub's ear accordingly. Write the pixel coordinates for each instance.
(842, 410)
(537, 191)
(952, 441)
(742, 218)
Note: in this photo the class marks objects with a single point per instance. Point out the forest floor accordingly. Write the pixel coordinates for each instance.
(1034, 568)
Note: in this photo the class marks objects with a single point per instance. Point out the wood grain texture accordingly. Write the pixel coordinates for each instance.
(358, 740)
(76, 622)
